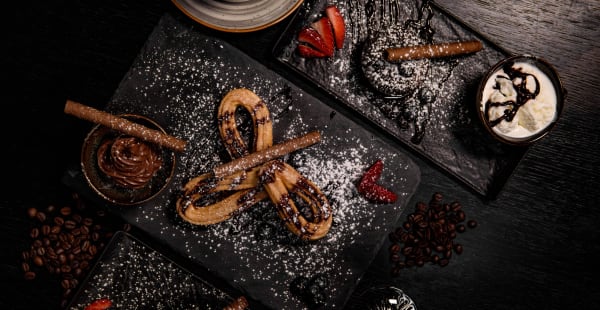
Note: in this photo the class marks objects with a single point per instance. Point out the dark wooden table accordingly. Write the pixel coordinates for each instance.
(536, 244)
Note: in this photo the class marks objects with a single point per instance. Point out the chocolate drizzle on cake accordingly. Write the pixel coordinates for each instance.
(408, 98)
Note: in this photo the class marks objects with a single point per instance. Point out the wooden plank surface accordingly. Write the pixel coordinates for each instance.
(536, 244)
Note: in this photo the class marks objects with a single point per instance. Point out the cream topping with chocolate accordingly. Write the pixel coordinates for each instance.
(129, 161)
(519, 100)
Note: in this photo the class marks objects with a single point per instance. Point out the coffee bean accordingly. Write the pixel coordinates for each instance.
(25, 255)
(59, 221)
(45, 230)
(32, 212)
(76, 231)
(428, 234)
(472, 223)
(41, 216)
(55, 230)
(77, 218)
(65, 284)
(38, 260)
(29, 275)
(88, 221)
(66, 245)
(65, 269)
(35, 232)
(70, 224)
(65, 211)
(458, 249)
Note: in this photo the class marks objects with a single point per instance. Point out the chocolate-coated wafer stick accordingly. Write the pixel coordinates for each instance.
(123, 125)
(397, 54)
(260, 157)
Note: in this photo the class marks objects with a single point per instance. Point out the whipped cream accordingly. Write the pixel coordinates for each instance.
(519, 100)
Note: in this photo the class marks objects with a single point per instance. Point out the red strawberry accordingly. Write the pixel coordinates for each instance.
(373, 191)
(323, 27)
(372, 174)
(377, 193)
(309, 52)
(338, 24)
(99, 304)
(311, 37)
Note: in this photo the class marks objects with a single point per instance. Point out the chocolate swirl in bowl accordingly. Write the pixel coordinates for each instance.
(130, 162)
(125, 169)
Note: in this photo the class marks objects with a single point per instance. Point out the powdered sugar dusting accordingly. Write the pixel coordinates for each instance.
(179, 80)
(427, 103)
(133, 276)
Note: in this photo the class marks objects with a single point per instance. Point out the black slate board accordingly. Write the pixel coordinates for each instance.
(178, 80)
(454, 139)
(133, 275)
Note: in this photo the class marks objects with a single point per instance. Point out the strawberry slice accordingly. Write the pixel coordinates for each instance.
(99, 304)
(323, 27)
(373, 191)
(377, 193)
(372, 174)
(309, 52)
(337, 23)
(311, 37)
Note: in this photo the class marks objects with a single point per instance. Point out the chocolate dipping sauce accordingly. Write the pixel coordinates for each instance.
(129, 161)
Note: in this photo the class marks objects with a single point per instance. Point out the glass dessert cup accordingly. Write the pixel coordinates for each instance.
(520, 99)
(108, 187)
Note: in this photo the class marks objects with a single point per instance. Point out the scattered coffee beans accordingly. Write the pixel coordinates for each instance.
(428, 234)
(65, 242)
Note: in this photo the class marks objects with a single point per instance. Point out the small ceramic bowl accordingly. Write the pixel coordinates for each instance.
(520, 99)
(113, 190)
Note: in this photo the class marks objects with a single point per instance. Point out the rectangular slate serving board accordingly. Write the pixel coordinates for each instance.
(179, 79)
(454, 139)
(133, 275)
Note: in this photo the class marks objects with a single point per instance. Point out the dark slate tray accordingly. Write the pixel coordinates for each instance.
(454, 139)
(178, 80)
(133, 275)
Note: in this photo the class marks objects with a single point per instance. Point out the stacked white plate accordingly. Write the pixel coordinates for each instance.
(237, 15)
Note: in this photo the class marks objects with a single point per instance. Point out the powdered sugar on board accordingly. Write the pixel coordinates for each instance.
(179, 80)
(134, 276)
(440, 126)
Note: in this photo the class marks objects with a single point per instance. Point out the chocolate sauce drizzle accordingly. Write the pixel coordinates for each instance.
(519, 81)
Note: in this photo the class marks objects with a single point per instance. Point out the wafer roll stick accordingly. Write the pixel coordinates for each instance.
(263, 156)
(397, 54)
(123, 125)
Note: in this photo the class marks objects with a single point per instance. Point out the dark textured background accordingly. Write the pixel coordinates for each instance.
(536, 243)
